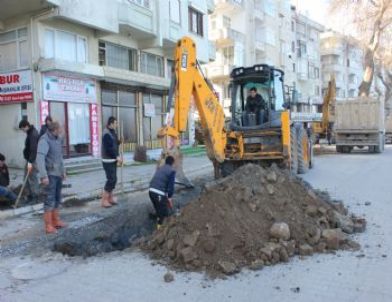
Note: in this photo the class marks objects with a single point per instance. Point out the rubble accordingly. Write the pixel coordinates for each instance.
(253, 218)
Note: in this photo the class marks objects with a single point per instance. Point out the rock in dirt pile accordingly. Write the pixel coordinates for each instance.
(254, 217)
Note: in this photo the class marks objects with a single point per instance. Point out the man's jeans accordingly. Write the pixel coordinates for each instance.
(53, 190)
(32, 185)
(4, 192)
(111, 176)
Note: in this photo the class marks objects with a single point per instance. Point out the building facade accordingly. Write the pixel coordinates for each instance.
(83, 61)
(271, 32)
(341, 57)
(306, 62)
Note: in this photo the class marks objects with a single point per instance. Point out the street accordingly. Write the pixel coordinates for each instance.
(361, 180)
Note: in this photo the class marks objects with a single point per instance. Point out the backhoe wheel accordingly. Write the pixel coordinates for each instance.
(303, 149)
(293, 151)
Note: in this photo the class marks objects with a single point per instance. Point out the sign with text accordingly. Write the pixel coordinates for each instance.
(67, 89)
(16, 87)
(149, 110)
(94, 129)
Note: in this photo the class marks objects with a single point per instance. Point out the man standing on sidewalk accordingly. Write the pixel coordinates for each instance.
(110, 159)
(162, 189)
(5, 181)
(30, 155)
(52, 173)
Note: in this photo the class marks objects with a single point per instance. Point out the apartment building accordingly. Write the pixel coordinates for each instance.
(82, 61)
(306, 62)
(266, 31)
(246, 33)
(342, 57)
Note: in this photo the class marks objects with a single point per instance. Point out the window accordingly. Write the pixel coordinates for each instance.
(317, 91)
(293, 47)
(226, 22)
(14, 51)
(151, 64)
(195, 21)
(292, 26)
(348, 62)
(117, 56)
(316, 73)
(174, 9)
(270, 7)
(293, 67)
(301, 49)
(169, 66)
(65, 46)
(144, 3)
(270, 37)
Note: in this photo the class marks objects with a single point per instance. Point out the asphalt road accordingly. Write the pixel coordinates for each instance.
(363, 181)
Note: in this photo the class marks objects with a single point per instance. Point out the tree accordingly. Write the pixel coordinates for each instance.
(372, 21)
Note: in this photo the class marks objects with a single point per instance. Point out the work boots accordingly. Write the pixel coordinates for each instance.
(105, 200)
(49, 228)
(57, 223)
(112, 199)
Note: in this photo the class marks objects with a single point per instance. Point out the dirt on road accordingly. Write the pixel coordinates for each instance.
(254, 217)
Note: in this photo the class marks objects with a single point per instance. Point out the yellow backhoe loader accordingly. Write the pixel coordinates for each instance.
(263, 137)
(324, 129)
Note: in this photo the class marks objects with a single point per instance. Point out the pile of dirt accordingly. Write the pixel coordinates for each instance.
(252, 218)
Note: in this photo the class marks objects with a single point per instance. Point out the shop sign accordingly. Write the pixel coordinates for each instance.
(44, 111)
(149, 110)
(67, 89)
(94, 129)
(16, 87)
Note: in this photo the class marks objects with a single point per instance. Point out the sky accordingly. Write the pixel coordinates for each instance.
(317, 9)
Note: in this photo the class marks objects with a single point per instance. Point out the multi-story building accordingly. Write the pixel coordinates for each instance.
(265, 31)
(306, 62)
(83, 61)
(342, 57)
(246, 33)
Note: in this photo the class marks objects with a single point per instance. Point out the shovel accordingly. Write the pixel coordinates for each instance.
(21, 191)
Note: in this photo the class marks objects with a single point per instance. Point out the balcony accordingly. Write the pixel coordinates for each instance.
(210, 6)
(219, 71)
(259, 13)
(229, 6)
(90, 70)
(227, 36)
(259, 46)
(332, 50)
(302, 76)
(17, 8)
(138, 20)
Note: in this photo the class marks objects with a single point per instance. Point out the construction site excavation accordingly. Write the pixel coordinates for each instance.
(253, 218)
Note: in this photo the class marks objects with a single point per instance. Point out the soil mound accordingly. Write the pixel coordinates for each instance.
(252, 218)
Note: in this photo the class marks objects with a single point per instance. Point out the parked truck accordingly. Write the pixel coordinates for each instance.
(359, 122)
(388, 129)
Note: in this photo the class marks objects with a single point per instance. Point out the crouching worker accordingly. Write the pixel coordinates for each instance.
(162, 189)
(52, 173)
(5, 181)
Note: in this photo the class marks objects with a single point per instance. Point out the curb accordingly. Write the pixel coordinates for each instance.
(85, 197)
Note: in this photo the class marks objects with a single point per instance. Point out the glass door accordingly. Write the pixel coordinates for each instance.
(79, 129)
(58, 112)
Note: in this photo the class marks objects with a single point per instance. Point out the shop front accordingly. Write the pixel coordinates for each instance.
(72, 101)
(140, 113)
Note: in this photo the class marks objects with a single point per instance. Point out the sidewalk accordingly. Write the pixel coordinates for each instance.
(88, 186)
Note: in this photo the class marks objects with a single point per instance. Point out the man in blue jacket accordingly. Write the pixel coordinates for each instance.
(110, 158)
(162, 189)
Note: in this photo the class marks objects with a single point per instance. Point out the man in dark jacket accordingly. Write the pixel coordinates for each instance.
(110, 159)
(5, 180)
(44, 127)
(162, 189)
(255, 104)
(30, 155)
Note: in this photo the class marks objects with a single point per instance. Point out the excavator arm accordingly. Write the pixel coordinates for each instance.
(188, 83)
